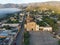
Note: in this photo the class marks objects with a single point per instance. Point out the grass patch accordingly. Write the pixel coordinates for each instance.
(26, 38)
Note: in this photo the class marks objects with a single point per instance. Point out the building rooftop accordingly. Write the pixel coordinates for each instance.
(3, 34)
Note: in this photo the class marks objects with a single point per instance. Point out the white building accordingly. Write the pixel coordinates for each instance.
(46, 28)
(37, 27)
(58, 22)
(12, 25)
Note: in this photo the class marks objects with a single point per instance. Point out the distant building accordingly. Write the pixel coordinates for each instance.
(3, 34)
(12, 25)
(58, 22)
(13, 19)
(38, 17)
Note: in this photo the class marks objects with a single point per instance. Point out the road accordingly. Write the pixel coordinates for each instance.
(42, 38)
(20, 37)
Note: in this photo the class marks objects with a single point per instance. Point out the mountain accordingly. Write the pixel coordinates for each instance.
(53, 5)
(11, 5)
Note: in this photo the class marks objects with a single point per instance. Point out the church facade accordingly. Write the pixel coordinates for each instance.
(31, 25)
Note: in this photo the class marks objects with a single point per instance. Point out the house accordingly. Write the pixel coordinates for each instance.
(12, 25)
(58, 22)
(46, 29)
(13, 19)
(3, 34)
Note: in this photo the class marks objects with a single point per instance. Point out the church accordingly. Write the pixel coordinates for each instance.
(30, 24)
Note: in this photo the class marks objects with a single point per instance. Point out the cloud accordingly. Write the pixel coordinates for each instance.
(24, 1)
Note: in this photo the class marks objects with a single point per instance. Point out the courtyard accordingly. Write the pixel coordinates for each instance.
(42, 38)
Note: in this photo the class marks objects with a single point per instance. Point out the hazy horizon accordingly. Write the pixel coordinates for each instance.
(23, 1)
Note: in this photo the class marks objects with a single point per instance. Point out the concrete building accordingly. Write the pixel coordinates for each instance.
(58, 22)
(31, 26)
(12, 25)
(45, 28)
(3, 34)
(13, 19)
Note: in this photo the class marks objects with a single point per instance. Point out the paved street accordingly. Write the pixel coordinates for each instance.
(20, 37)
(42, 38)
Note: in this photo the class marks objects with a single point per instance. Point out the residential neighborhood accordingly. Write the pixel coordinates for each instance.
(30, 23)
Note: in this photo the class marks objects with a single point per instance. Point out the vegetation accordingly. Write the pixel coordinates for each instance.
(41, 23)
(9, 21)
(59, 42)
(59, 17)
(15, 20)
(26, 38)
(51, 22)
(41, 12)
(7, 27)
(46, 14)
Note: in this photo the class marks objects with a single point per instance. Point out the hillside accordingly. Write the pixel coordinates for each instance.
(53, 5)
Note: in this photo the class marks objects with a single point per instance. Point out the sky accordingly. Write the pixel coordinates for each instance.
(23, 1)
